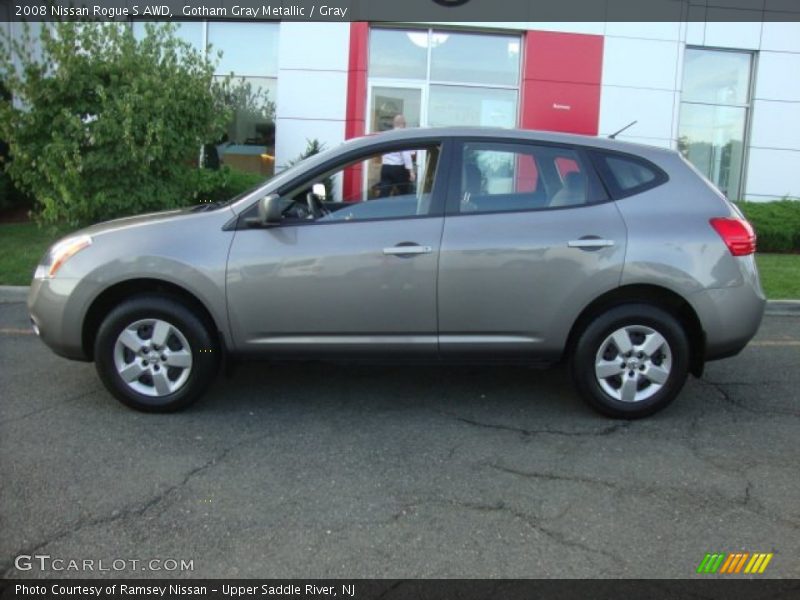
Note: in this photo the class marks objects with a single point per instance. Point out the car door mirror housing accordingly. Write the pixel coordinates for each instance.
(318, 189)
(269, 210)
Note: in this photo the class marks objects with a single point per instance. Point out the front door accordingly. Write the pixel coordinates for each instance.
(359, 279)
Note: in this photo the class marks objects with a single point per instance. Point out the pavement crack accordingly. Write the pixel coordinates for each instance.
(744, 502)
(608, 430)
(553, 476)
(134, 510)
(530, 521)
(49, 407)
(730, 401)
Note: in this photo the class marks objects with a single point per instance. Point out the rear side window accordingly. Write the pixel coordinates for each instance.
(626, 175)
(502, 176)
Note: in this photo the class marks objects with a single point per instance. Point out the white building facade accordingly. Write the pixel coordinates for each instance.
(726, 94)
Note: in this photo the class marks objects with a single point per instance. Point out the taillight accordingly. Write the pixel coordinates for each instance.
(737, 234)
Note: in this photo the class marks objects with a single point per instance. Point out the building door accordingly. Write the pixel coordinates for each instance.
(385, 102)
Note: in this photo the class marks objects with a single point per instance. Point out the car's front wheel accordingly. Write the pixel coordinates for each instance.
(631, 361)
(154, 354)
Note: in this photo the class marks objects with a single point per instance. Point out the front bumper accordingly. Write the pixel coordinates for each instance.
(57, 313)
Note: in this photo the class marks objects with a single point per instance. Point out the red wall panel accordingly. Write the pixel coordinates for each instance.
(355, 125)
(561, 82)
(563, 57)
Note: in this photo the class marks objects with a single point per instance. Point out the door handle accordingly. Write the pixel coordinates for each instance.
(590, 243)
(407, 250)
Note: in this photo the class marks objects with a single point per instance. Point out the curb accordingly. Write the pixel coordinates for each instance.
(783, 308)
(11, 294)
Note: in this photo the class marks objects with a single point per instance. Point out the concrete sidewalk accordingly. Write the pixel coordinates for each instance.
(19, 293)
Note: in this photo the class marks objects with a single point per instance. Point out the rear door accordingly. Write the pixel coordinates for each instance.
(529, 240)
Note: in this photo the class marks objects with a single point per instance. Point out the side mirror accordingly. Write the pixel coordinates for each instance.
(269, 209)
(318, 189)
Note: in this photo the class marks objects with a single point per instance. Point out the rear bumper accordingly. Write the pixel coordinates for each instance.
(730, 318)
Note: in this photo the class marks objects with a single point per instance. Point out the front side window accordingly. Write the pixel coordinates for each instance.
(509, 177)
(400, 185)
(715, 103)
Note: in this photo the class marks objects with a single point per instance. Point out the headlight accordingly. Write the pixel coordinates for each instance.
(59, 254)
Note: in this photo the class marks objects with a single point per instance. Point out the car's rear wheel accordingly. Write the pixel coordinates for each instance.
(154, 354)
(631, 361)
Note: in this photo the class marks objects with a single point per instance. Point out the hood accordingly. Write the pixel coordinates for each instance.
(138, 220)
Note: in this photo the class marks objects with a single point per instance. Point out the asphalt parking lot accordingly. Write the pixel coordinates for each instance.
(317, 470)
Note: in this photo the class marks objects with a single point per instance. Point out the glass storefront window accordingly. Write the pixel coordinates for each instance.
(249, 49)
(250, 52)
(443, 78)
(716, 77)
(398, 54)
(249, 143)
(715, 102)
(475, 58)
(460, 105)
(387, 102)
(188, 31)
(712, 139)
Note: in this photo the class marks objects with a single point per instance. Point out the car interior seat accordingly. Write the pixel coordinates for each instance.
(573, 192)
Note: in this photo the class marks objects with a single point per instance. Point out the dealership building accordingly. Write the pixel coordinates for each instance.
(726, 94)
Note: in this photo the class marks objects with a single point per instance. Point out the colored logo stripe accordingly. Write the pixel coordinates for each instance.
(734, 563)
(710, 563)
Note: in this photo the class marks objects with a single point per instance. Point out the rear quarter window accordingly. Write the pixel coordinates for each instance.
(626, 175)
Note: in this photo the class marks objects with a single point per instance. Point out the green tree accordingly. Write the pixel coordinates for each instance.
(104, 124)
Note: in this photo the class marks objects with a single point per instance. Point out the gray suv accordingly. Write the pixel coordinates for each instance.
(484, 246)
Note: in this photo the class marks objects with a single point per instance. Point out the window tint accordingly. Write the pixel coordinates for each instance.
(629, 175)
(393, 184)
(511, 177)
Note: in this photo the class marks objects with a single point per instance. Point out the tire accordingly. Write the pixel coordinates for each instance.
(170, 375)
(653, 373)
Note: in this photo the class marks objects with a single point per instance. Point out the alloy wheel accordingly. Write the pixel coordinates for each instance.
(153, 357)
(633, 363)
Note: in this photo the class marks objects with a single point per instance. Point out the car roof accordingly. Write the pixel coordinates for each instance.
(533, 135)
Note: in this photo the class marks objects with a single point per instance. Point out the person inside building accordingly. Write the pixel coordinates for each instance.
(397, 168)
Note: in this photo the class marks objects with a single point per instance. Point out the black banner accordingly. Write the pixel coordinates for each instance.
(403, 589)
(405, 10)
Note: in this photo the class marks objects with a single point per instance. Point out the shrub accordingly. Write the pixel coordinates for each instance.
(223, 184)
(11, 199)
(106, 125)
(313, 147)
(777, 224)
(6, 199)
